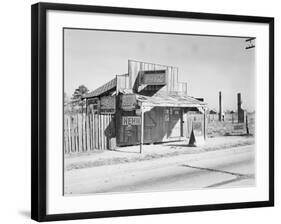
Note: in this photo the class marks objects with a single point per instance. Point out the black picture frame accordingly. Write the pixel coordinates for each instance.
(39, 108)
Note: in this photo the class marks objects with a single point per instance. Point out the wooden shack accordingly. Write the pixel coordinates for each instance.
(148, 105)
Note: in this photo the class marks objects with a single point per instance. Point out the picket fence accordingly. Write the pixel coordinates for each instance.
(87, 132)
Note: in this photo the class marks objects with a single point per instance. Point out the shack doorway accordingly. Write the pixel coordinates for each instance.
(193, 120)
(175, 119)
(162, 124)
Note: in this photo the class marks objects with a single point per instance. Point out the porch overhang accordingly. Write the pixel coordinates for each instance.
(170, 101)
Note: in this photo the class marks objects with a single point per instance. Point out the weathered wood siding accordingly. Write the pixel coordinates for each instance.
(136, 67)
(83, 133)
(160, 124)
(130, 81)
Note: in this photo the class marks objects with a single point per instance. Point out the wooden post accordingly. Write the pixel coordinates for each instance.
(86, 126)
(82, 140)
(247, 127)
(204, 123)
(142, 129)
(220, 107)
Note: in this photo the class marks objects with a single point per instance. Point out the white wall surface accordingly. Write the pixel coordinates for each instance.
(15, 110)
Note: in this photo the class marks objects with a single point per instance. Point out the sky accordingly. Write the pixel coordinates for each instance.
(208, 64)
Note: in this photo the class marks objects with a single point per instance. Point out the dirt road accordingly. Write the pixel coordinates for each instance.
(225, 168)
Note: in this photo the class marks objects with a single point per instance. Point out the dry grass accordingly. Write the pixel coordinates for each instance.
(225, 128)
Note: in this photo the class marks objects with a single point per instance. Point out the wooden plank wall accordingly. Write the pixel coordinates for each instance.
(84, 133)
(127, 81)
(134, 67)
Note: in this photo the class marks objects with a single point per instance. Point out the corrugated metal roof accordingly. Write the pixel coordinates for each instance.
(104, 88)
(170, 101)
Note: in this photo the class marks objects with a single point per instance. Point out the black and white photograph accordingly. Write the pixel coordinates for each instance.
(157, 112)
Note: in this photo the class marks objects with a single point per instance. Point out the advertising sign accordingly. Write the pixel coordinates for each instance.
(107, 104)
(196, 135)
(138, 112)
(128, 102)
(95, 102)
(197, 128)
(131, 120)
(239, 128)
(157, 77)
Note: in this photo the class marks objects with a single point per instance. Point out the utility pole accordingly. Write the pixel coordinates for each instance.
(250, 42)
(142, 128)
(220, 107)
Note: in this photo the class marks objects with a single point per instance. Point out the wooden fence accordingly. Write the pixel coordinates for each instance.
(84, 133)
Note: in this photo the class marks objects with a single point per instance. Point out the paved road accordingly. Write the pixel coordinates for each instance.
(224, 168)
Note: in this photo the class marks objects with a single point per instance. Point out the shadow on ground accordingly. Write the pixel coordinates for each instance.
(238, 176)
